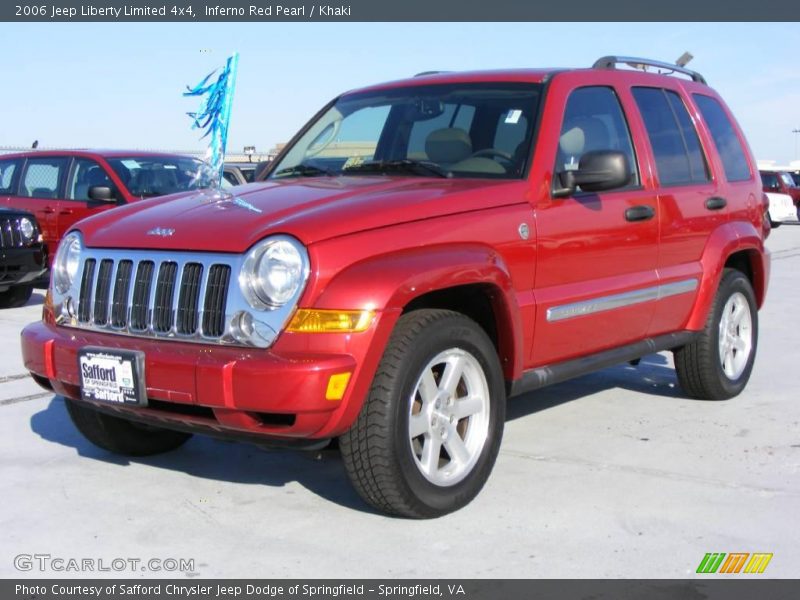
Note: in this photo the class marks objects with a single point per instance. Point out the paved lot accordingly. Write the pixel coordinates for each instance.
(611, 475)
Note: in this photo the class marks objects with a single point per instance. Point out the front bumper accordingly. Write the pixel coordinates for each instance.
(277, 394)
(22, 266)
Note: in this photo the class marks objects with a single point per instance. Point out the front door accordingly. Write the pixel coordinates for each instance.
(597, 252)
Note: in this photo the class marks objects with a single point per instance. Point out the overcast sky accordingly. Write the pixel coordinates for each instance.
(119, 85)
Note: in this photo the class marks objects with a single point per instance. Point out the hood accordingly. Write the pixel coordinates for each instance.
(311, 209)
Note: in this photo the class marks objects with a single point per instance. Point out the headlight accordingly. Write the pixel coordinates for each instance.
(67, 261)
(274, 272)
(26, 228)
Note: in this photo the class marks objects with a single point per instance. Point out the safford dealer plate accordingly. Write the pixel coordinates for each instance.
(112, 376)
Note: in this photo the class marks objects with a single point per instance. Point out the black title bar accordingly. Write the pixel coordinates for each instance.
(398, 10)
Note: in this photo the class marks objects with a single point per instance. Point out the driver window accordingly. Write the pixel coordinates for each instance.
(593, 120)
(85, 174)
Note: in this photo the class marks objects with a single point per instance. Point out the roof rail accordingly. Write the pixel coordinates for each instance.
(610, 62)
(423, 73)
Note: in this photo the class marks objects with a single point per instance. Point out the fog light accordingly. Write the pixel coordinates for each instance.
(337, 384)
(308, 320)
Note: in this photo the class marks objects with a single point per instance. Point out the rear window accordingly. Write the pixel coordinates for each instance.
(8, 168)
(770, 181)
(679, 157)
(731, 152)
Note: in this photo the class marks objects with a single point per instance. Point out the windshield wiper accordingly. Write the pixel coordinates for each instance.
(304, 170)
(408, 165)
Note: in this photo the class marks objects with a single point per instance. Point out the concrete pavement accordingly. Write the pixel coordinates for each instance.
(614, 474)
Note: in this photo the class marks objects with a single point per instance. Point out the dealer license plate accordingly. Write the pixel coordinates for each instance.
(113, 376)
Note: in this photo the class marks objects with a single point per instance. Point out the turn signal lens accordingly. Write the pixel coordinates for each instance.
(308, 320)
(337, 384)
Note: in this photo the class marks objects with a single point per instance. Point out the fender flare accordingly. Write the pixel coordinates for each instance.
(725, 241)
(396, 279)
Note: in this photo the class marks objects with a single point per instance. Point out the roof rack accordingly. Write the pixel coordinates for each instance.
(610, 62)
(423, 73)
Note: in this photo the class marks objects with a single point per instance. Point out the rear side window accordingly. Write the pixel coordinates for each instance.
(8, 168)
(731, 152)
(676, 146)
(42, 177)
(593, 120)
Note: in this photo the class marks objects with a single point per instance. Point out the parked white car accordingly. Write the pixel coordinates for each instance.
(781, 209)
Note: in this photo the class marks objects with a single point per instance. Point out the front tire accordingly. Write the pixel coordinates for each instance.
(428, 434)
(121, 436)
(718, 363)
(16, 296)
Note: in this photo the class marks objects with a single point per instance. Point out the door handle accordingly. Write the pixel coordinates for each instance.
(66, 211)
(48, 210)
(716, 203)
(640, 213)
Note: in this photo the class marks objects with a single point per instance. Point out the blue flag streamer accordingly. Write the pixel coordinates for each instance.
(214, 114)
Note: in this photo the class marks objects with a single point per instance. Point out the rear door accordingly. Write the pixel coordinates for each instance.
(39, 190)
(596, 252)
(691, 202)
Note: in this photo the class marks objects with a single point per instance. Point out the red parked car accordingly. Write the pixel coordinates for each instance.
(421, 251)
(61, 187)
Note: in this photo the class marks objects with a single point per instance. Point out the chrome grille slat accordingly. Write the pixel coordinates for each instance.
(101, 292)
(215, 300)
(162, 316)
(139, 319)
(119, 297)
(186, 314)
(10, 233)
(85, 305)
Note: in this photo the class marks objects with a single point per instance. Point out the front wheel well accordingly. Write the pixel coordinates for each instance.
(483, 303)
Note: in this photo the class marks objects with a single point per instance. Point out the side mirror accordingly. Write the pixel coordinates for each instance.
(598, 171)
(102, 193)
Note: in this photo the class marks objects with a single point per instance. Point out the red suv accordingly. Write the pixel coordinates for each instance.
(61, 187)
(421, 251)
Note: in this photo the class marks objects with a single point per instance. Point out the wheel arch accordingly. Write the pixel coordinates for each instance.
(735, 245)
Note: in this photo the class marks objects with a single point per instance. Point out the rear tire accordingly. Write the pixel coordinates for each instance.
(428, 434)
(121, 436)
(16, 296)
(718, 363)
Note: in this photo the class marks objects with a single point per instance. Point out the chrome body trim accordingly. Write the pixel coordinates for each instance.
(603, 303)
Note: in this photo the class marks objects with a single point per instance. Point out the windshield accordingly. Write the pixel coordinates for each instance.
(456, 130)
(147, 176)
(796, 177)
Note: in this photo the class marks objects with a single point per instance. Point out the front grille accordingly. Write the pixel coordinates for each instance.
(148, 297)
(10, 234)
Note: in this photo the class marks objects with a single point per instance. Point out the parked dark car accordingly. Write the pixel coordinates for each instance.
(23, 258)
(61, 187)
(240, 173)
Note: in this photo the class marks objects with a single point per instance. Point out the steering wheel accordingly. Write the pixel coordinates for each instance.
(493, 153)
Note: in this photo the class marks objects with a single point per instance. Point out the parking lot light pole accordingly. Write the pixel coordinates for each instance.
(795, 132)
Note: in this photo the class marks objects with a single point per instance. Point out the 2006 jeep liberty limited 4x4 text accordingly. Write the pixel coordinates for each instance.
(421, 251)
